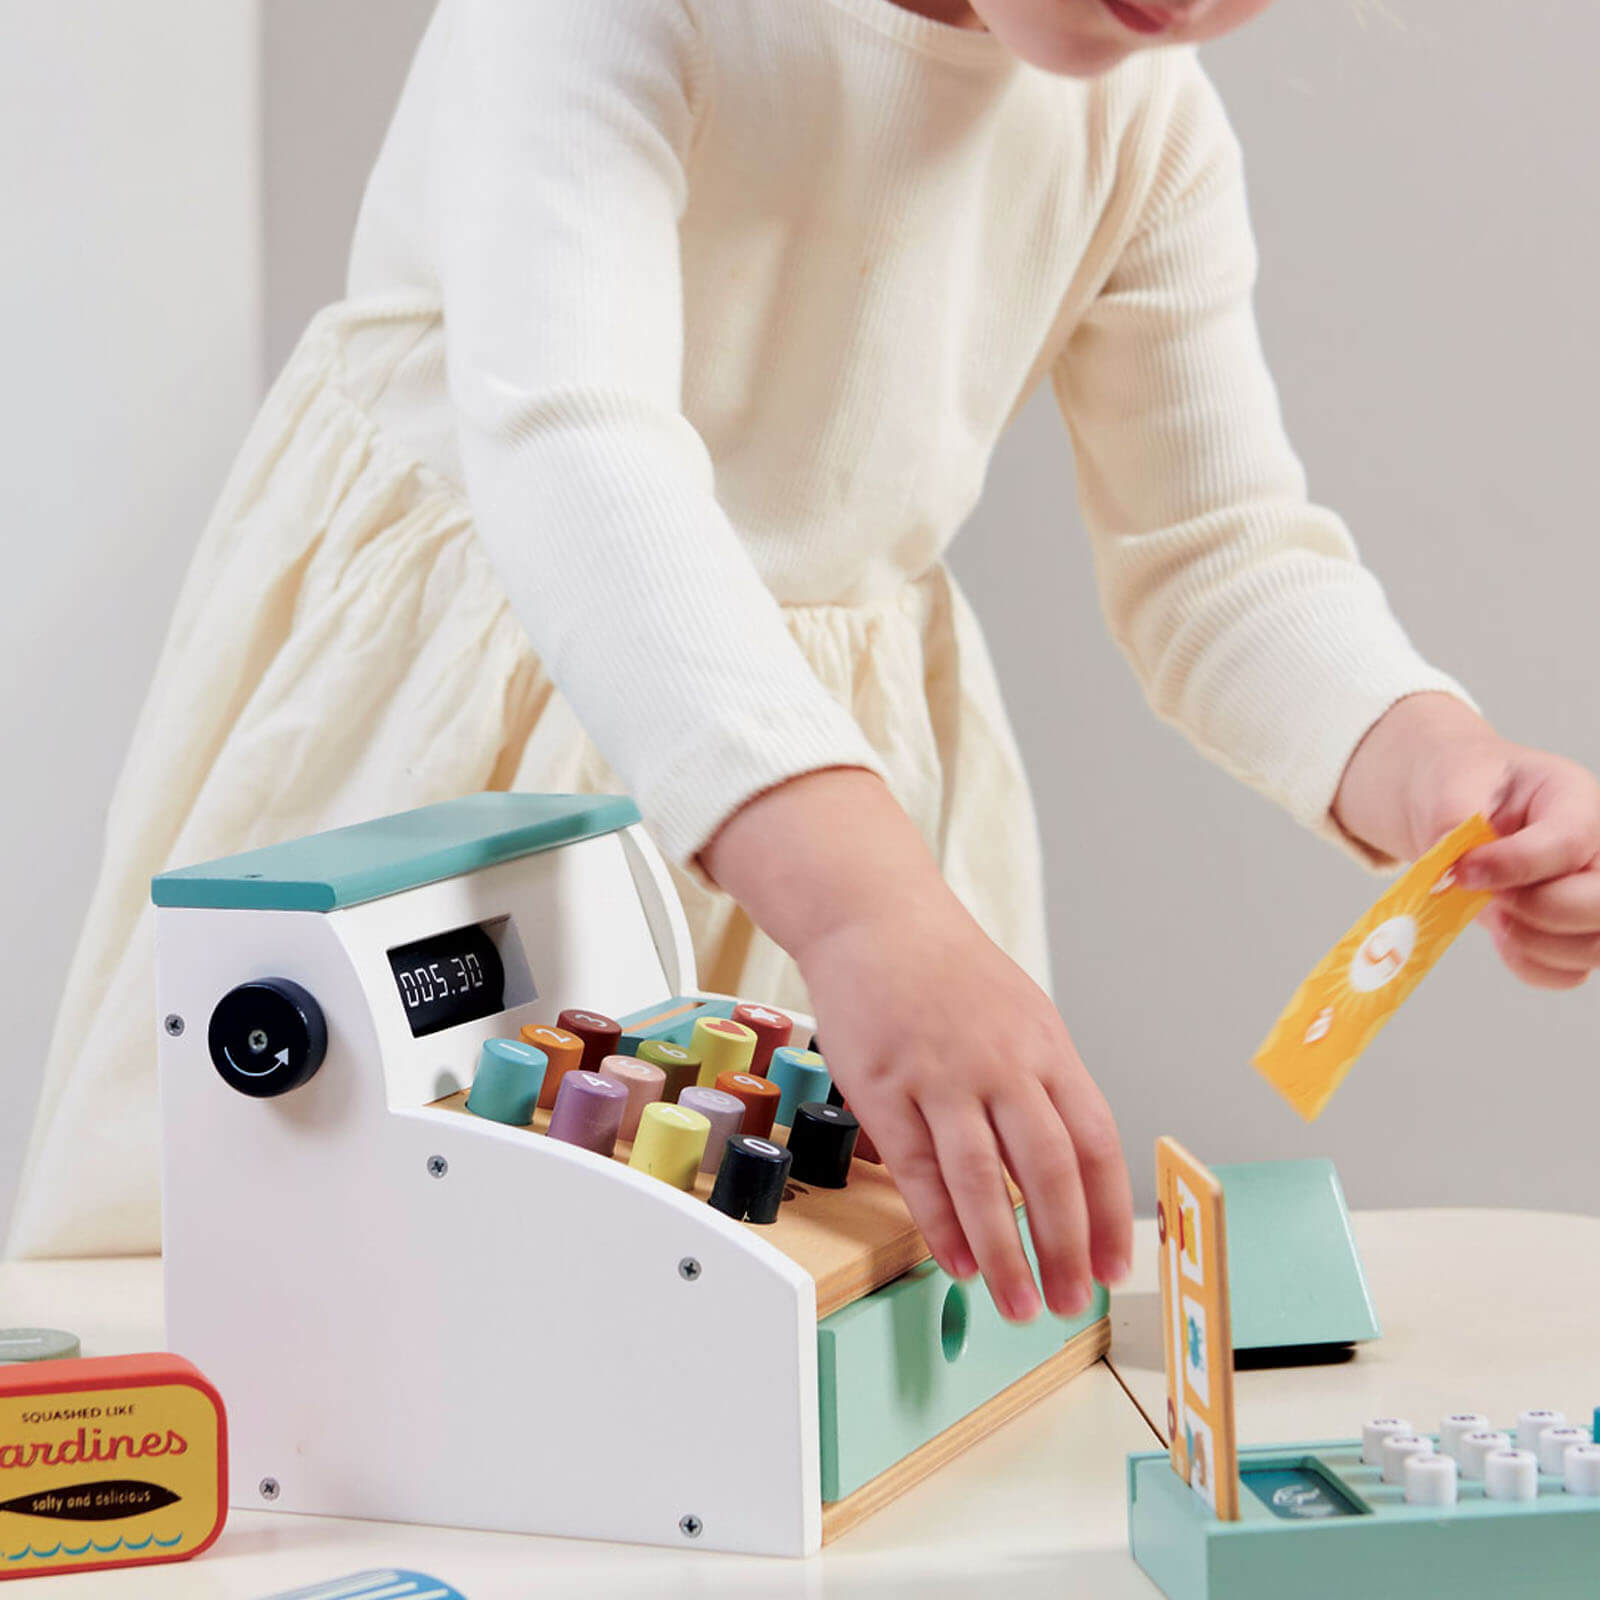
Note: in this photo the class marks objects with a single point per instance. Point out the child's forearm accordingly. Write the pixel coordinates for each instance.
(820, 850)
(1385, 796)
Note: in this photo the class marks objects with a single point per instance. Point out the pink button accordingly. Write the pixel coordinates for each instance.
(644, 1083)
(588, 1111)
(725, 1113)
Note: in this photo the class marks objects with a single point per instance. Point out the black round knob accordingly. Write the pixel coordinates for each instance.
(750, 1180)
(822, 1139)
(267, 1037)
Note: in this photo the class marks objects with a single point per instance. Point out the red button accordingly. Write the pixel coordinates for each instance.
(773, 1029)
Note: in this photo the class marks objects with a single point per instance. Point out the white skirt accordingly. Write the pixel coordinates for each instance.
(341, 649)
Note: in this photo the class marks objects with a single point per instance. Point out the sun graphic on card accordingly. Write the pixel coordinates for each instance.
(1364, 979)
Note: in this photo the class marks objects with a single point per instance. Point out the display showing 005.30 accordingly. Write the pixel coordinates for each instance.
(449, 978)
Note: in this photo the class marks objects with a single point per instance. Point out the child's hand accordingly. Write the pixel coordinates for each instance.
(961, 1069)
(957, 1064)
(1431, 763)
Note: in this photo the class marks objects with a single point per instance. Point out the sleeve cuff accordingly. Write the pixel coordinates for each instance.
(1315, 783)
(739, 759)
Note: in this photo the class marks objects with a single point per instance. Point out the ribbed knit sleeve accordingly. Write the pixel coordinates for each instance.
(558, 182)
(1242, 607)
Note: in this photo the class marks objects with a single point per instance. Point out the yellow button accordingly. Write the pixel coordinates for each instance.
(722, 1046)
(669, 1144)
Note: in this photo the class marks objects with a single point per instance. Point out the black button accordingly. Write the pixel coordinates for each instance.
(267, 1037)
(750, 1181)
(822, 1139)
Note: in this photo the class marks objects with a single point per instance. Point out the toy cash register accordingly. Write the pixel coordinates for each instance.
(459, 1248)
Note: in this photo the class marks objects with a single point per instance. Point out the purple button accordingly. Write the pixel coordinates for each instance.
(588, 1111)
(725, 1113)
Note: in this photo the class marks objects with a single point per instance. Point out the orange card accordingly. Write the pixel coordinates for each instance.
(1197, 1333)
(1363, 980)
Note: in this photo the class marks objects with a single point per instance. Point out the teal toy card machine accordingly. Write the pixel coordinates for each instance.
(1299, 1295)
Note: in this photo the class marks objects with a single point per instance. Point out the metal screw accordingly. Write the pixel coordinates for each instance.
(689, 1269)
(174, 1024)
(690, 1526)
(437, 1166)
(269, 1488)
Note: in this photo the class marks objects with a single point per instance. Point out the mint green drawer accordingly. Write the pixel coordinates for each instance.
(898, 1367)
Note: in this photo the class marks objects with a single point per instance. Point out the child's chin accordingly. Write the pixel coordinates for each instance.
(1070, 55)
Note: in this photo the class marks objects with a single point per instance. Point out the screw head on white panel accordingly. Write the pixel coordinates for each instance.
(173, 1024)
(689, 1269)
(269, 1488)
(437, 1166)
(690, 1526)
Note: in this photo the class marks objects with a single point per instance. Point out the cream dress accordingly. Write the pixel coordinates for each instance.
(342, 649)
(835, 247)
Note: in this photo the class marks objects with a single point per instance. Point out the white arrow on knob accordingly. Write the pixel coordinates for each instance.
(282, 1057)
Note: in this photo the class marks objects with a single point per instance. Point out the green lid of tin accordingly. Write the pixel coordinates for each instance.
(36, 1344)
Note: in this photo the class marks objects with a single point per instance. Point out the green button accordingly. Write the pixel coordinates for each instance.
(36, 1344)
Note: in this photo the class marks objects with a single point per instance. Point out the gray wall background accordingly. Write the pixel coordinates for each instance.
(1421, 187)
(131, 270)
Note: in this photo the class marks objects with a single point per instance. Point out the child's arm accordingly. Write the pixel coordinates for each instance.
(955, 1060)
(1241, 605)
(560, 175)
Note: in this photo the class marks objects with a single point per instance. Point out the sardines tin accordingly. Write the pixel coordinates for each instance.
(116, 1461)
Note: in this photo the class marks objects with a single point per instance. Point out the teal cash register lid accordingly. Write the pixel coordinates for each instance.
(1295, 1278)
(368, 860)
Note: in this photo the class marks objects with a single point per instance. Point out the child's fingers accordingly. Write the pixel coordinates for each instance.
(1107, 1189)
(1569, 905)
(969, 1161)
(1566, 952)
(907, 1149)
(1559, 836)
(1529, 968)
(1041, 1159)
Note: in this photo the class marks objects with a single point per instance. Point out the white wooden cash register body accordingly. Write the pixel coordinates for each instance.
(510, 1344)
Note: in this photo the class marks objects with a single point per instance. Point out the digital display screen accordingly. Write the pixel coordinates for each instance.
(449, 978)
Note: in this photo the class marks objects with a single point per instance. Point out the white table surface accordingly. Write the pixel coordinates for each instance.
(1482, 1310)
(1491, 1311)
(1038, 1506)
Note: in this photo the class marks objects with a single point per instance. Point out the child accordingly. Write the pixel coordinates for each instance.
(678, 337)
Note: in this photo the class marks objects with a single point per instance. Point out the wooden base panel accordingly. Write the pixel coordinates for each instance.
(1081, 1353)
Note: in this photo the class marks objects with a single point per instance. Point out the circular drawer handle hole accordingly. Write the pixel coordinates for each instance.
(953, 1323)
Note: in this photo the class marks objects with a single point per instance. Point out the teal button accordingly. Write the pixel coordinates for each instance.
(800, 1075)
(506, 1086)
